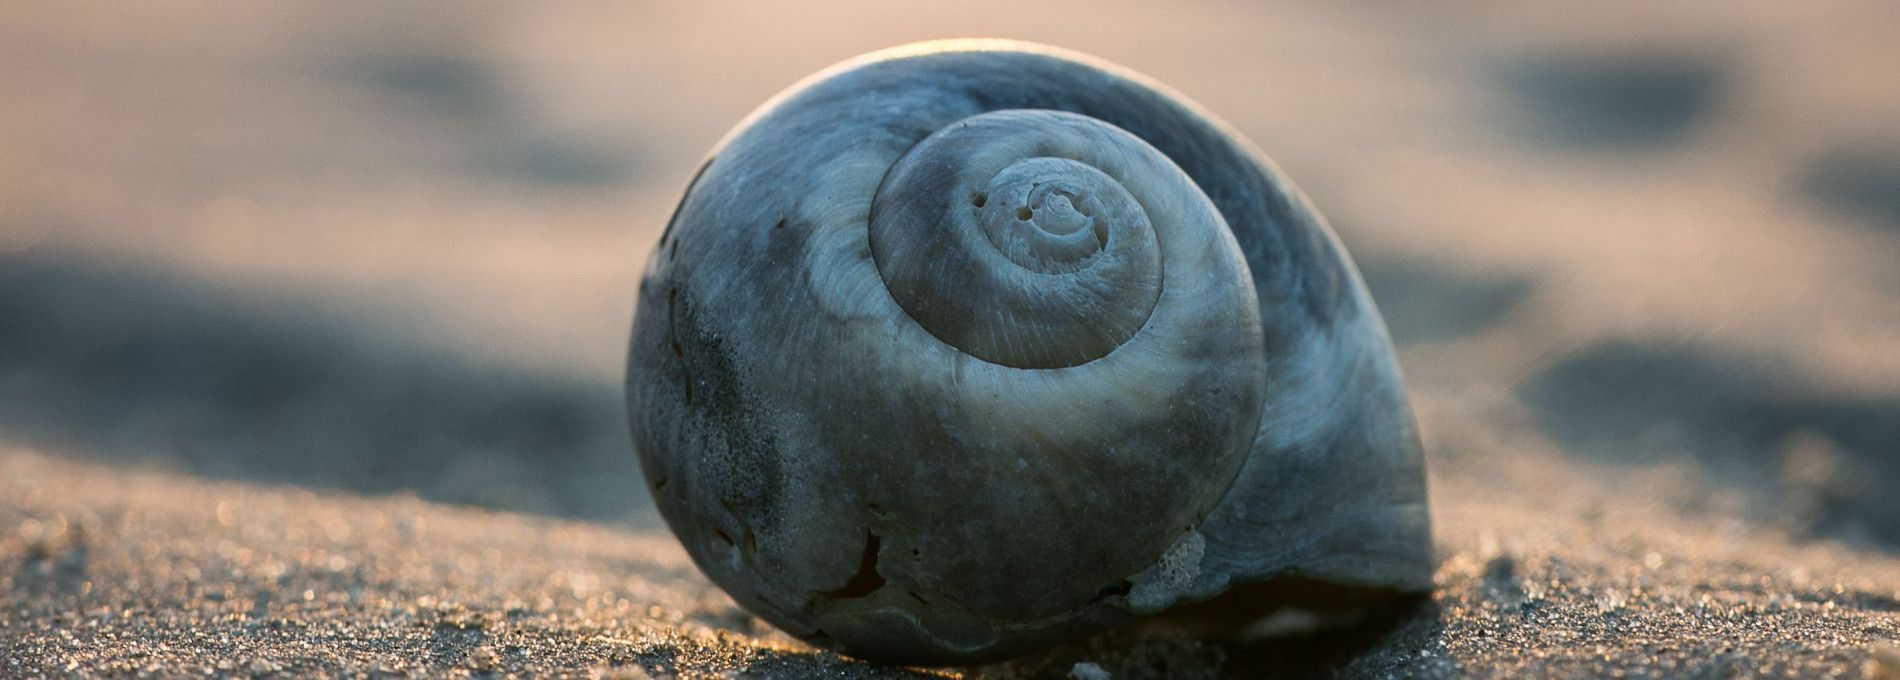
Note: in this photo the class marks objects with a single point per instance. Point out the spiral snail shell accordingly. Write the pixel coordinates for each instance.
(962, 349)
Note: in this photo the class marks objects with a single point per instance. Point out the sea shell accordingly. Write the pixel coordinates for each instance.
(962, 349)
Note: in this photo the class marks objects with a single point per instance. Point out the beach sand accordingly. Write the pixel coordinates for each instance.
(312, 324)
(122, 572)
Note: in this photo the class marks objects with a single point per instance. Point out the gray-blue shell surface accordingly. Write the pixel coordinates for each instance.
(962, 349)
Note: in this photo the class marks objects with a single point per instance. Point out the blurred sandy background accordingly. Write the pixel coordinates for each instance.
(392, 248)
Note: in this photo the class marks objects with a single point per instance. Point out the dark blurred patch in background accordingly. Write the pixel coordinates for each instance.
(453, 86)
(1747, 421)
(504, 140)
(1617, 101)
(1863, 181)
(126, 363)
(1424, 302)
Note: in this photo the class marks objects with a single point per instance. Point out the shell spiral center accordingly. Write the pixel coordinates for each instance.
(1015, 237)
(1041, 213)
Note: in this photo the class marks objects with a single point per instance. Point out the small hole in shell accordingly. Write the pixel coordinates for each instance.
(979, 199)
(1024, 213)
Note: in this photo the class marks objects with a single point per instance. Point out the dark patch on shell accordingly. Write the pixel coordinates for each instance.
(743, 453)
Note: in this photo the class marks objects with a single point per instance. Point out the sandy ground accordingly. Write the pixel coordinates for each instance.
(331, 298)
(123, 572)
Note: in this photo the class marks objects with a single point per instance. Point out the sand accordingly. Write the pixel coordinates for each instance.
(312, 319)
(121, 572)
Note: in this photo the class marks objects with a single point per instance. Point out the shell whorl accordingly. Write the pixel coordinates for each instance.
(1020, 237)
